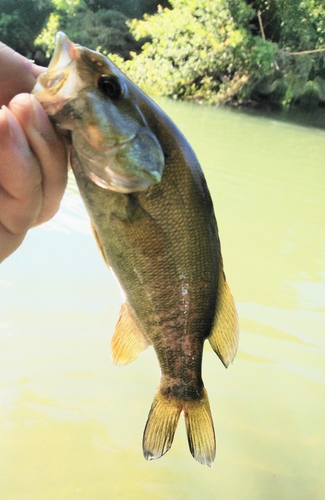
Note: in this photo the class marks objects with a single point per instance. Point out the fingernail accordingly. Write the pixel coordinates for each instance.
(41, 121)
(15, 132)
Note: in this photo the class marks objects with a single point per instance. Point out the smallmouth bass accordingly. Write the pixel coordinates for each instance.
(153, 219)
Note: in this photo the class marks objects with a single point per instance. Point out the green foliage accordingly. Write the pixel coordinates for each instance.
(209, 50)
(21, 21)
(297, 79)
(212, 50)
(270, 17)
(95, 23)
(303, 24)
(67, 6)
(298, 28)
(130, 8)
(304, 75)
(105, 30)
(46, 39)
(262, 57)
(199, 49)
(295, 24)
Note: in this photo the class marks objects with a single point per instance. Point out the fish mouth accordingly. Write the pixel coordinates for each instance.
(64, 52)
(60, 82)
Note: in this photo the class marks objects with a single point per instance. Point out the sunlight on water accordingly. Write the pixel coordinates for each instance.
(71, 423)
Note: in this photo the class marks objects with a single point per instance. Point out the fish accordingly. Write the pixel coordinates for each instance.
(153, 219)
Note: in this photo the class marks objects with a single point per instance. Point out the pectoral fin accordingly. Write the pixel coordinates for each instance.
(224, 336)
(128, 341)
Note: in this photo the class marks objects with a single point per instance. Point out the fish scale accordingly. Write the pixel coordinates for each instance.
(154, 223)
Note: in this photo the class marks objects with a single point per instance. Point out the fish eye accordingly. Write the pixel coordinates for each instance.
(110, 86)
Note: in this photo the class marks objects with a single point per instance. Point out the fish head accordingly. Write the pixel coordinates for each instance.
(84, 92)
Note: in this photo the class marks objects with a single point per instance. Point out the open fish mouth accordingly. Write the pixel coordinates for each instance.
(64, 52)
(61, 82)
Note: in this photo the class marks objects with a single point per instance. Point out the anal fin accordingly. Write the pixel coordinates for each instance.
(128, 341)
(224, 335)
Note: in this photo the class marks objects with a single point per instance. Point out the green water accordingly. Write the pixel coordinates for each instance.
(71, 423)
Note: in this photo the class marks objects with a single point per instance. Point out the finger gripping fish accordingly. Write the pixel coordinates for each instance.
(153, 220)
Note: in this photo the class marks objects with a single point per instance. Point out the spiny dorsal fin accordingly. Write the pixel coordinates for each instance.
(224, 335)
(128, 341)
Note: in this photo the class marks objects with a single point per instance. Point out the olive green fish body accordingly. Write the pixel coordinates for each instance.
(165, 253)
(154, 222)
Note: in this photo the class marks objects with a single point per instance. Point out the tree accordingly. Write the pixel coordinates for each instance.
(21, 21)
(302, 24)
(97, 24)
(298, 27)
(130, 8)
(104, 30)
(200, 49)
(296, 24)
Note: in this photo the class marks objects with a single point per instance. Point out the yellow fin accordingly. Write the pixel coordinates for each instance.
(128, 341)
(161, 426)
(224, 335)
(162, 422)
(200, 430)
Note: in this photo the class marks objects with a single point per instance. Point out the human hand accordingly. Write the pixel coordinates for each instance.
(33, 158)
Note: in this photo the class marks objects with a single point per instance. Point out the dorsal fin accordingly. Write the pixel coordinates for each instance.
(128, 341)
(224, 335)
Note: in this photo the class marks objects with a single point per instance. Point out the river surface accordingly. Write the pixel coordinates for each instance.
(71, 423)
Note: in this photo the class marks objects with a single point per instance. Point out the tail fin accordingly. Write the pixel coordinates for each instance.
(161, 426)
(162, 422)
(200, 430)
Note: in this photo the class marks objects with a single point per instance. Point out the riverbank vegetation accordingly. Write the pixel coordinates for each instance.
(238, 52)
